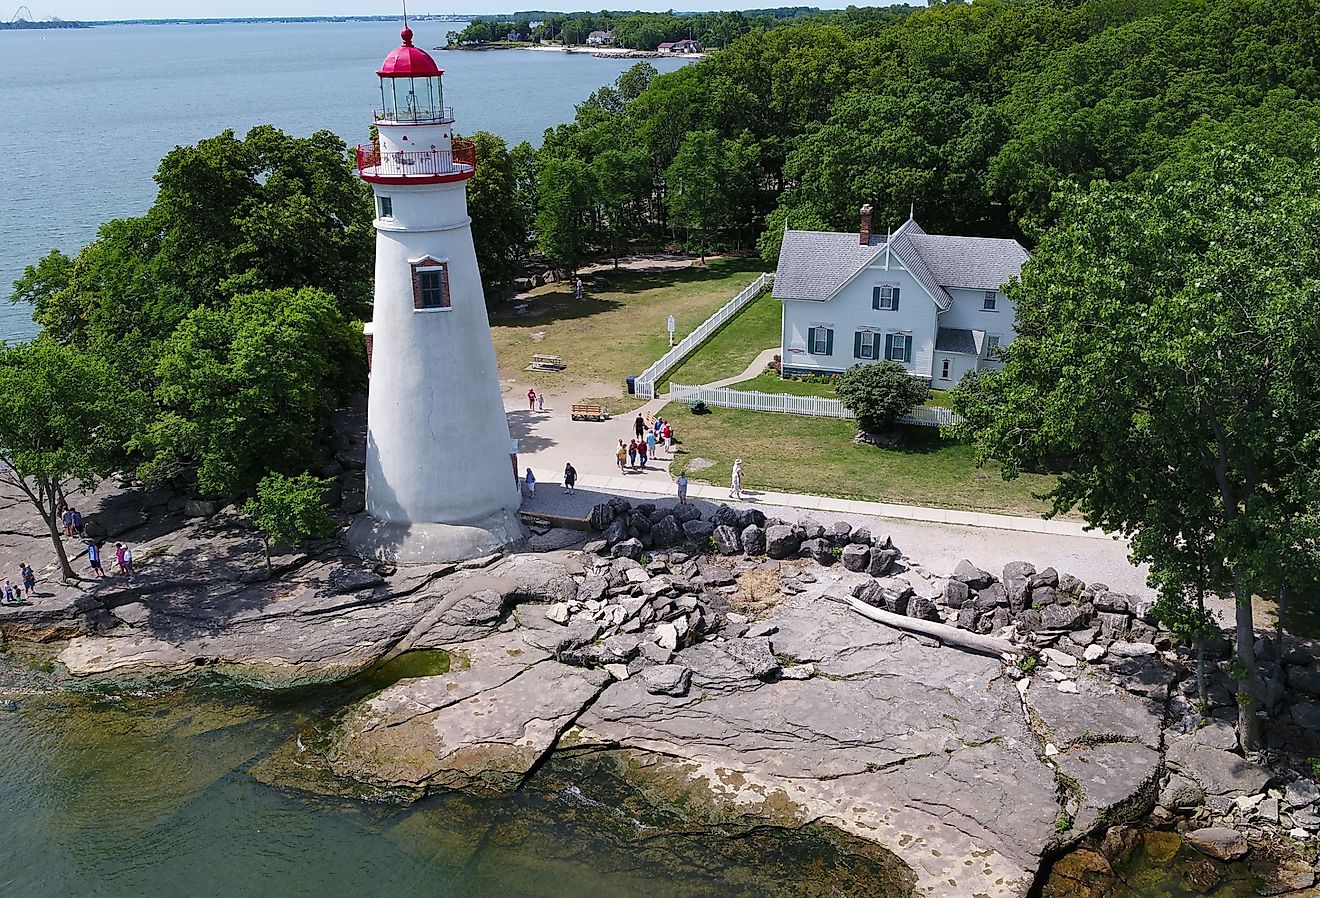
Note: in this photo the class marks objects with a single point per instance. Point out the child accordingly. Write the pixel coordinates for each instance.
(540, 401)
(8, 594)
(530, 482)
(127, 564)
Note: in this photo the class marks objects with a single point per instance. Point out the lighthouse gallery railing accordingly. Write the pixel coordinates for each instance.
(462, 158)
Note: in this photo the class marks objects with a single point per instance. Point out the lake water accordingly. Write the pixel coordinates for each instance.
(153, 793)
(86, 115)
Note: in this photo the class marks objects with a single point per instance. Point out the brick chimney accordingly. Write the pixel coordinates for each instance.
(866, 226)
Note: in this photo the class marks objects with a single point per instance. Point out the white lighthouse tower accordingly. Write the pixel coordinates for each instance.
(440, 486)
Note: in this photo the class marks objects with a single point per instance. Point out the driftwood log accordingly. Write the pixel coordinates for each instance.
(951, 636)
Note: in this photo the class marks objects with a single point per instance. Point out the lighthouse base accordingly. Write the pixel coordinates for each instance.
(422, 543)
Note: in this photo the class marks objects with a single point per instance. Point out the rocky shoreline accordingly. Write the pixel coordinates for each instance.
(716, 655)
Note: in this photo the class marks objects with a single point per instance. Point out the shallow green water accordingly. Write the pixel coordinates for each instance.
(151, 794)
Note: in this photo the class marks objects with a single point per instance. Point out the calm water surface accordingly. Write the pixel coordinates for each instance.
(154, 793)
(86, 115)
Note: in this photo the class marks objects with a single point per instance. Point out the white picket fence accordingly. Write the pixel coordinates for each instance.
(812, 406)
(644, 384)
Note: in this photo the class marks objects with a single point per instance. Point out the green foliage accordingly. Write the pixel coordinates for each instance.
(63, 415)
(1027, 663)
(1169, 347)
(290, 510)
(499, 229)
(878, 394)
(1314, 764)
(246, 389)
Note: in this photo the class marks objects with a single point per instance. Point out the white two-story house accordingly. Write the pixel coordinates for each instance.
(936, 304)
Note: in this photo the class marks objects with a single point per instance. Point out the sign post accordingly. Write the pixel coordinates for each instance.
(671, 331)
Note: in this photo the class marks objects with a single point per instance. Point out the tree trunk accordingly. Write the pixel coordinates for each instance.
(1202, 692)
(1249, 688)
(1278, 634)
(963, 639)
(44, 501)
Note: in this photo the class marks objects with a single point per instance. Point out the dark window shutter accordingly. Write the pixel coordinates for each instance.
(811, 341)
(829, 342)
(857, 345)
(875, 298)
(889, 346)
(875, 346)
(894, 304)
(907, 349)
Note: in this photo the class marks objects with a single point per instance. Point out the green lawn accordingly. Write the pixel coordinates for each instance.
(940, 398)
(733, 347)
(769, 382)
(817, 456)
(618, 328)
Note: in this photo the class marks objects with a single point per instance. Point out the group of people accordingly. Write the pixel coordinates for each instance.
(645, 444)
(535, 400)
(570, 480)
(72, 521)
(18, 595)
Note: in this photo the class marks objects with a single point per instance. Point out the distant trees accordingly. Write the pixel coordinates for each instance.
(1168, 349)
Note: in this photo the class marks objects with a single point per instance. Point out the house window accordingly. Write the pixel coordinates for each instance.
(864, 346)
(384, 207)
(430, 284)
(885, 298)
(992, 345)
(990, 301)
(898, 348)
(944, 370)
(820, 340)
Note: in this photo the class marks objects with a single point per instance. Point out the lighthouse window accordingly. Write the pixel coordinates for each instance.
(431, 286)
(386, 207)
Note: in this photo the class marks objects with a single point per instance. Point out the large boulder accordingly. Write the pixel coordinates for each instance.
(1062, 617)
(856, 557)
(628, 548)
(1017, 583)
(697, 529)
(817, 548)
(781, 541)
(753, 540)
(956, 593)
(751, 517)
(839, 534)
(727, 541)
(882, 559)
(602, 515)
(990, 598)
(667, 679)
(666, 531)
(727, 517)
(1218, 842)
(972, 575)
(1217, 772)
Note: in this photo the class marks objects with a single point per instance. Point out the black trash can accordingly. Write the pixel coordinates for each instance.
(632, 386)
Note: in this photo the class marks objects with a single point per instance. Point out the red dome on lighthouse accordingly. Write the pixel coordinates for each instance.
(408, 61)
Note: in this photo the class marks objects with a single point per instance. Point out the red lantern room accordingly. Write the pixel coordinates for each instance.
(410, 89)
(414, 129)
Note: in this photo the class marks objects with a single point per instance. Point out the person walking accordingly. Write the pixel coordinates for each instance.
(128, 564)
(531, 399)
(94, 558)
(529, 481)
(668, 433)
(632, 454)
(540, 401)
(570, 477)
(66, 518)
(621, 455)
(641, 453)
(119, 558)
(29, 578)
(639, 426)
(77, 523)
(577, 288)
(682, 489)
(736, 480)
(651, 443)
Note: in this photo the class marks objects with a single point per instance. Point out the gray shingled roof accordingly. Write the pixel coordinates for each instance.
(959, 339)
(976, 263)
(814, 264)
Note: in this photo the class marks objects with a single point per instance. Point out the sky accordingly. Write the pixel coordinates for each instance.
(189, 9)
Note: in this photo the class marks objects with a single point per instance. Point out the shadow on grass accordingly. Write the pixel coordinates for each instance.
(554, 307)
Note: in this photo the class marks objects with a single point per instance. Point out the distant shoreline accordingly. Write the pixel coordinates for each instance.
(597, 52)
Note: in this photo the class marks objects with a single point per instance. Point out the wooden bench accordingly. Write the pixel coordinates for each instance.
(584, 411)
(546, 363)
